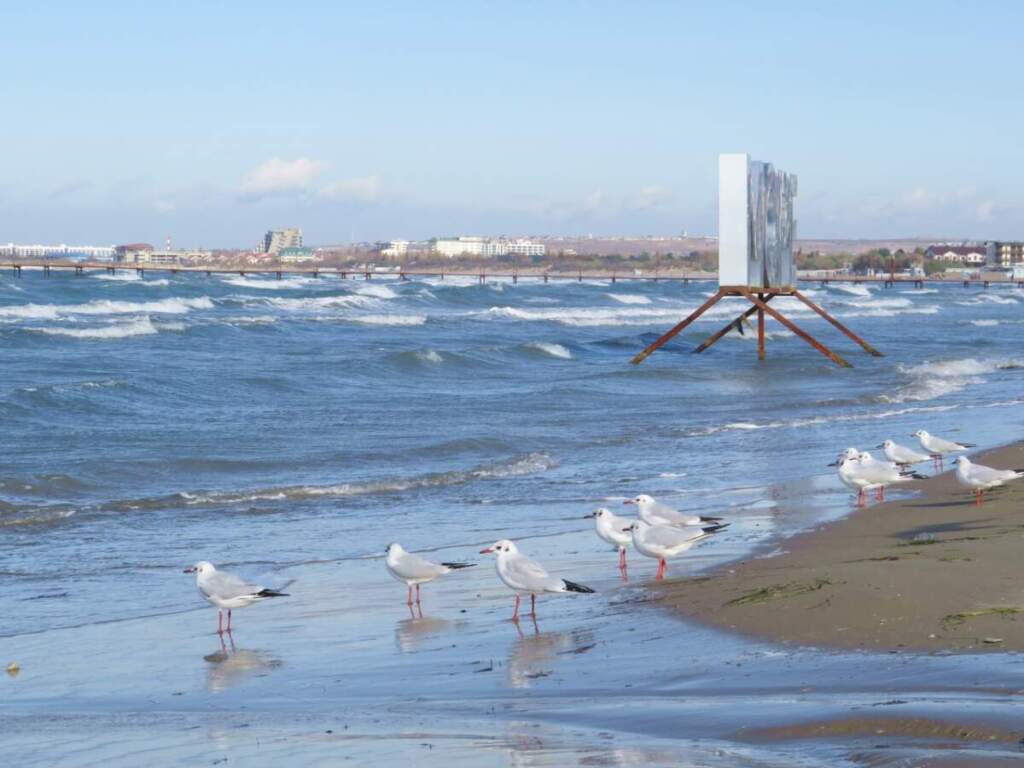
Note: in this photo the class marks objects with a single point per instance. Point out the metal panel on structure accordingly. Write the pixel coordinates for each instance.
(756, 227)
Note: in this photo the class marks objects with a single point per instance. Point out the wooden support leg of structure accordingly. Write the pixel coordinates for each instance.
(796, 329)
(678, 328)
(867, 347)
(760, 332)
(734, 324)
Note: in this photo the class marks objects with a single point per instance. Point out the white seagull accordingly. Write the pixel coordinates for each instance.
(614, 530)
(413, 570)
(527, 577)
(980, 478)
(664, 541)
(937, 447)
(655, 513)
(227, 591)
(900, 454)
(881, 474)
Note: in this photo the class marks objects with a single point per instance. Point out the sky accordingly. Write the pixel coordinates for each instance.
(210, 122)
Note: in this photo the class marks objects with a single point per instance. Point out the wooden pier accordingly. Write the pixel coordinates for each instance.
(280, 271)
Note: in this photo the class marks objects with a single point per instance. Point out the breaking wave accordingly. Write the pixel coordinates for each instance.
(629, 298)
(175, 306)
(528, 464)
(388, 319)
(550, 349)
(142, 326)
(945, 377)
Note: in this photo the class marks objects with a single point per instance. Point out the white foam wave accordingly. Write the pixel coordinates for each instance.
(944, 377)
(853, 289)
(376, 291)
(318, 303)
(984, 323)
(629, 298)
(270, 284)
(431, 356)
(549, 348)
(142, 326)
(524, 465)
(388, 319)
(173, 306)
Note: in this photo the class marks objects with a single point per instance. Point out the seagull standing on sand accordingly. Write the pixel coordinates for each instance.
(527, 577)
(413, 570)
(614, 530)
(937, 447)
(882, 474)
(227, 591)
(981, 478)
(655, 513)
(664, 541)
(900, 454)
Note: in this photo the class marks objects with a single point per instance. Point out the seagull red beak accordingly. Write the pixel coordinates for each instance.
(629, 501)
(189, 570)
(486, 551)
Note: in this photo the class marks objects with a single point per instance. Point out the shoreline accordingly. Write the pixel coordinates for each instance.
(930, 573)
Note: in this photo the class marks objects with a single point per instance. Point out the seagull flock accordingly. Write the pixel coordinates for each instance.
(659, 531)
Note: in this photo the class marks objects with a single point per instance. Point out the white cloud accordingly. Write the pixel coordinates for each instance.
(366, 189)
(277, 176)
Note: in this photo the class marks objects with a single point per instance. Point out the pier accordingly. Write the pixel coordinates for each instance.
(482, 276)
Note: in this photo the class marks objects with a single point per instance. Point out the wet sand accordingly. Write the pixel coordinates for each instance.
(930, 573)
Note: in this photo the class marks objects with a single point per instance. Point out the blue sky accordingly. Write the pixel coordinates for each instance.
(214, 121)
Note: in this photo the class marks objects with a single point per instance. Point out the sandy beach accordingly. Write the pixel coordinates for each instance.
(929, 573)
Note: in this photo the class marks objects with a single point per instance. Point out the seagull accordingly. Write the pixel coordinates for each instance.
(850, 476)
(900, 454)
(525, 576)
(981, 478)
(227, 591)
(664, 541)
(614, 530)
(937, 447)
(865, 473)
(850, 453)
(655, 513)
(412, 570)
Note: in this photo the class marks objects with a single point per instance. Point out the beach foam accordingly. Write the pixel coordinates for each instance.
(551, 349)
(628, 298)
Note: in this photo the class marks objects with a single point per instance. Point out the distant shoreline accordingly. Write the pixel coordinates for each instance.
(930, 573)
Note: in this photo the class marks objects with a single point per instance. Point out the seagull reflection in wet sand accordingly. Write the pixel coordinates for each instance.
(229, 665)
(412, 633)
(531, 655)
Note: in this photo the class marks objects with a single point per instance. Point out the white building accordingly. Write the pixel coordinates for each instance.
(527, 248)
(277, 240)
(487, 247)
(961, 254)
(395, 249)
(62, 251)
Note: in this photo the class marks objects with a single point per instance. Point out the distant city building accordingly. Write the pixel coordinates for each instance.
(395, 249)
(144, 253)
(527, 248)
(132, 253)
(277, 240)
(486, 247)
(961, 254)
(1004, 254)
(73, 252)
(296, 255)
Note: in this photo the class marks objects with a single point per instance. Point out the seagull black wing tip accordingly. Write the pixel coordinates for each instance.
(457, 566)
(271, 593)
(572, 586)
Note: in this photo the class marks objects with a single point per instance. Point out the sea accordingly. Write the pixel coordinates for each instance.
(290, 429)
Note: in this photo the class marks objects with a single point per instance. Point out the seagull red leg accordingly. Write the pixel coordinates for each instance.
(533, 606)
(515, 614)
(417, 594)
(229, 620)
(220, 622)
